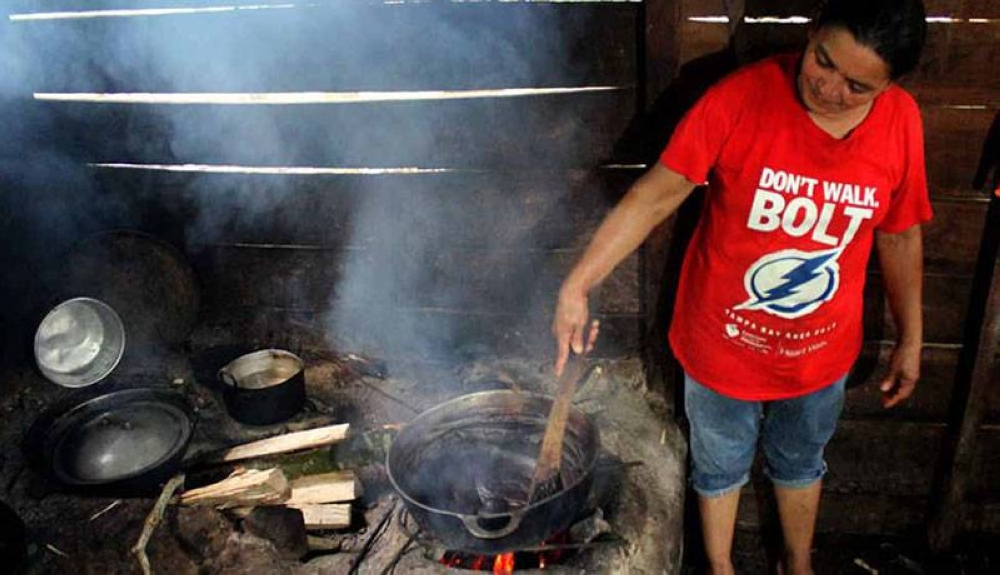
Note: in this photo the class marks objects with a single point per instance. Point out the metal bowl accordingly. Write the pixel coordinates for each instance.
(79, 342)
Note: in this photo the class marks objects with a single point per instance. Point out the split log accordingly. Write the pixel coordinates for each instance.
(325, 516)
(317, 516)
(289, 442)
(335, 487)
(245, 487)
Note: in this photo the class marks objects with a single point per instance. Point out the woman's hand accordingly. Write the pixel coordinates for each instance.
(901, 258)
(569, 324)
(901, 379)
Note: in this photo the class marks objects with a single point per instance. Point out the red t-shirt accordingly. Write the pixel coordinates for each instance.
(770, 298)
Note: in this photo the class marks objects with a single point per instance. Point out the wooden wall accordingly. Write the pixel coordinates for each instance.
(883, 462)
(462, 255)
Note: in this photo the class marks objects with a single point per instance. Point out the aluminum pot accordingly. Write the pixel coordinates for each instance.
(264, 387)
(463, 470)
(79, 342)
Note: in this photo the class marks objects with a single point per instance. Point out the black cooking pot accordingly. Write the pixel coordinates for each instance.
(264, 387)
(463, 470)
(119, 440)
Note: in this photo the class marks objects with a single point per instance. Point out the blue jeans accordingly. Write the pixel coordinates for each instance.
(793, 434)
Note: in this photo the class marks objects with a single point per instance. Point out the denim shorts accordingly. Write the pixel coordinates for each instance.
(792, 432)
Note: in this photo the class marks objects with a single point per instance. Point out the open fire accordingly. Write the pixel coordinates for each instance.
(506, 563)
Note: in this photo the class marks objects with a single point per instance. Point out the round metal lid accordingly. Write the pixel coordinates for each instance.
(117, 436)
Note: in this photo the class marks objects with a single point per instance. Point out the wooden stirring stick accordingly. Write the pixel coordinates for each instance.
(547, 480)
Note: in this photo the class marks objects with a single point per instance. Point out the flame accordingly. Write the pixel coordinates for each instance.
(503, 564)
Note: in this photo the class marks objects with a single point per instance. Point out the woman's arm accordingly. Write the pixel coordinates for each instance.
(901, 258)
(649, 201)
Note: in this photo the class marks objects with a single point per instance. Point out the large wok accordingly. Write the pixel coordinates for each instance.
(463, 471)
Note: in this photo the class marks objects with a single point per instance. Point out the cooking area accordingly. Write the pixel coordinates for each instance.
(409, 510)
(280, 279)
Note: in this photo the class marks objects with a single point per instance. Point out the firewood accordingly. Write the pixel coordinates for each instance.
(245, 487)
(317, 516)
(335, 487)
(296, 441)
(325, 516)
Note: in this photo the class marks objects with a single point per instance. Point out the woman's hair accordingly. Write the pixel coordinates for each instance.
(894, 29)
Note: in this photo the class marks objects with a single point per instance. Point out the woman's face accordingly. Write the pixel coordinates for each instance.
(839, 75)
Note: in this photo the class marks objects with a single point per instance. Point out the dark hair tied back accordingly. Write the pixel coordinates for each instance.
(894, 29)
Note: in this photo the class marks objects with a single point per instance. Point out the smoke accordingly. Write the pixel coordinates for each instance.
(393, 274)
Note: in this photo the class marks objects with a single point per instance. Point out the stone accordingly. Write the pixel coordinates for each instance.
(336, 564)
(203, 531)
(247, 554)
(282, 526)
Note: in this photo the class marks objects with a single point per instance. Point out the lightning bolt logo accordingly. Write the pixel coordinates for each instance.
(792, 283)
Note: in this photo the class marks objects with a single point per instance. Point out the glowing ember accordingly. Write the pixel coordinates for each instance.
(503, 564)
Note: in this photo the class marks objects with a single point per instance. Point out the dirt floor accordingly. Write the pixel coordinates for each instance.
(838, 554)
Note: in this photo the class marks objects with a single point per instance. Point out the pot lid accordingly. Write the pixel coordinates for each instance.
(108, 445)
(114, 436)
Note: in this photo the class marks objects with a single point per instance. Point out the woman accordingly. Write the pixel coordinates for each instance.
(809, 159)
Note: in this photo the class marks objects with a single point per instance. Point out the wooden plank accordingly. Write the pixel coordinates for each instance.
(660, 48)
(200, 209)
(477, 210)
(875, 456)
(878, 456)
(331, 46)
(983, 518)
(946, 299)
(295, 441)
(930, 401)
(785, 8)
(419, 276)
(451, 335)
(879, 480)
(954, 140)
(874, 514)
(318, 517)
(333, 487)
(496, 209)
(955, 53)
(512, 210)
(993, 405)
(952, 96)
(297, 278)
(951, 239)
(570, 130)
(868, 514)
(511, 282)
(432, 334)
